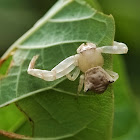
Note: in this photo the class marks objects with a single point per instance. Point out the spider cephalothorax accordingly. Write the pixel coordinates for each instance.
(89, 60)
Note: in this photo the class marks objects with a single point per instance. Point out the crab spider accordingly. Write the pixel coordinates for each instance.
(89, 60)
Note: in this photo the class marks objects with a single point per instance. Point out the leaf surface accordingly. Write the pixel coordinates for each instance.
(54, 109)
(16, 123)
(55, 37)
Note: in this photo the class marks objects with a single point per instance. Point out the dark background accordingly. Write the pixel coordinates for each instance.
(17, 16)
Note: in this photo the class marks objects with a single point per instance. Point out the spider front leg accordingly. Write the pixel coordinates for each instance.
(117, 48)
(62, 69)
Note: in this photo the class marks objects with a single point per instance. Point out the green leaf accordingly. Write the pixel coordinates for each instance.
(55, 37)
(55, 111)
(4, 66)
(16, 123)
(57, 114)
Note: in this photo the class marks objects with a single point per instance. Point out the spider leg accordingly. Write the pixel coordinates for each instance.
(113, 74)
(72, 76)
(81, 83)
(117, 48)
(62, 69)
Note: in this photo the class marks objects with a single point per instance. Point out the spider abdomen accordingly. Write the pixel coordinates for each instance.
(96, 80)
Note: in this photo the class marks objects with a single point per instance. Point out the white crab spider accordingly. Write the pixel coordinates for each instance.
(89, 60)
